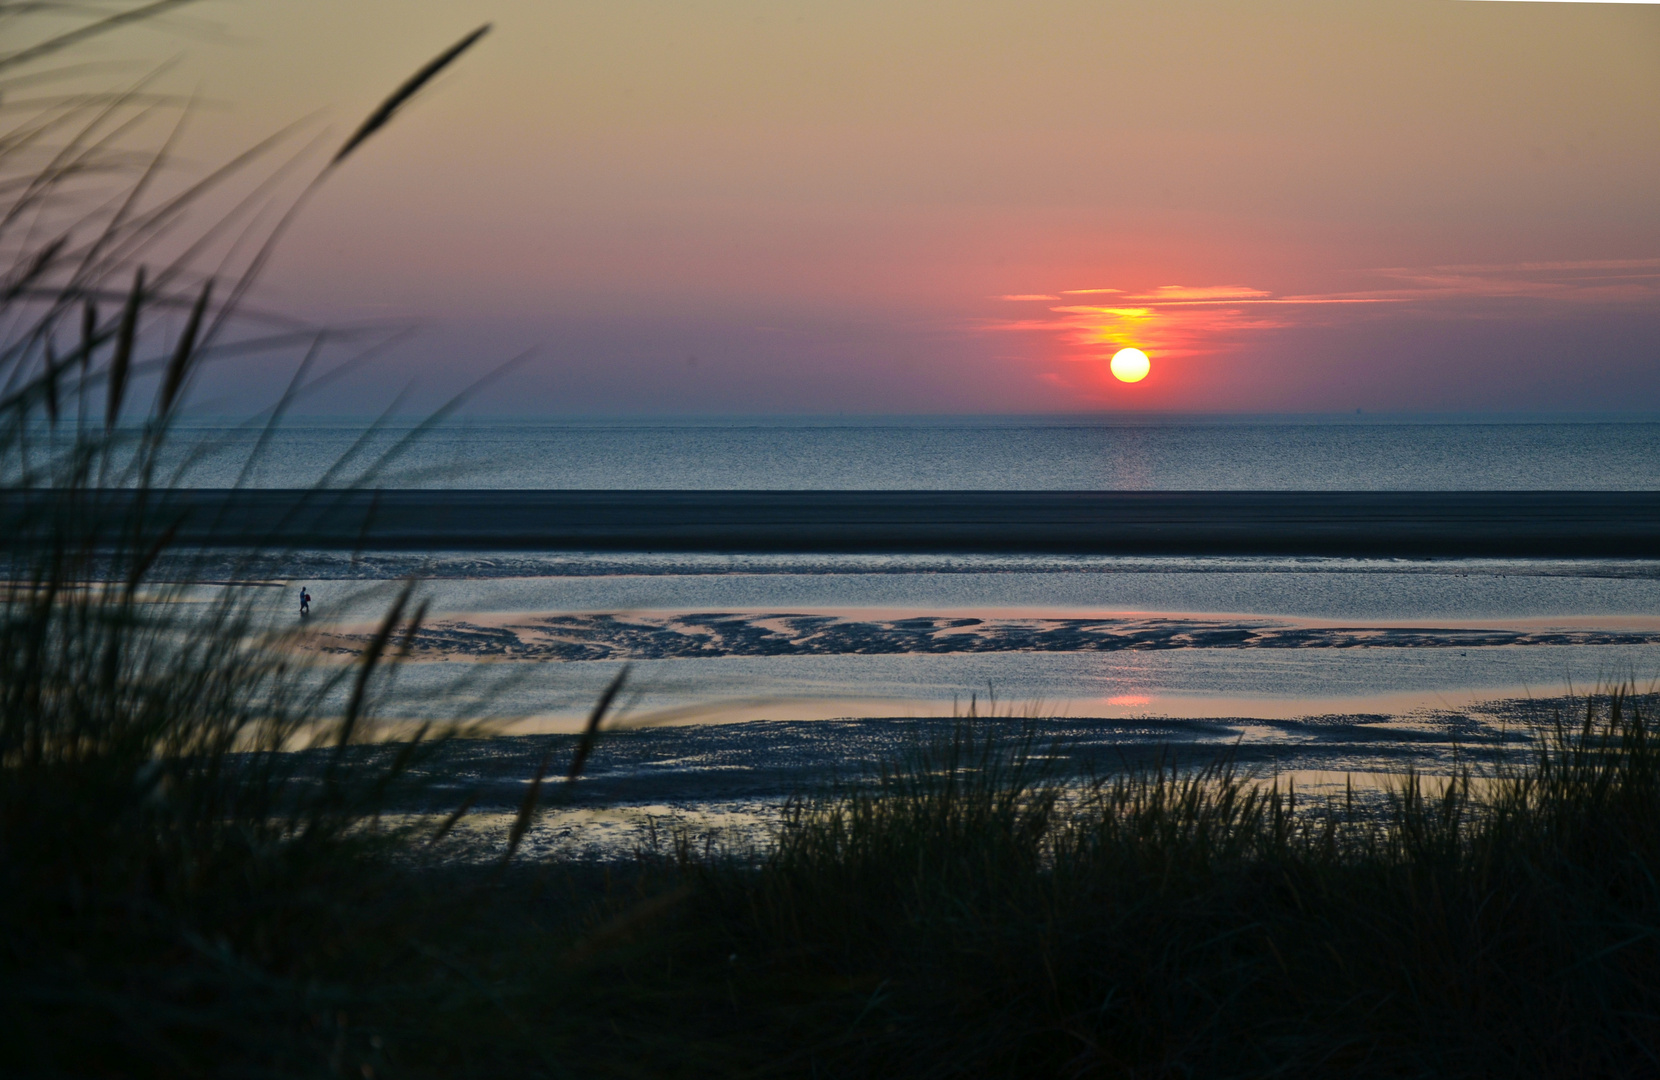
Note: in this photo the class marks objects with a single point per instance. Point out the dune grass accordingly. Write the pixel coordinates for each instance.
(963, 911)
(968, 912)
(1189, 922)
(176, 892)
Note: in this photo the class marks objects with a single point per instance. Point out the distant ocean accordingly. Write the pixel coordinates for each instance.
(1054, 453)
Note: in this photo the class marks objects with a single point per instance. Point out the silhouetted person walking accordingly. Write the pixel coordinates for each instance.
(305, 602)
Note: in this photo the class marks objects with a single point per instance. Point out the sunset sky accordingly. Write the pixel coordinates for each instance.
(967, 207)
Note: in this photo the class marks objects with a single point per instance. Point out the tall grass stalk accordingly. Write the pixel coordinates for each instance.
(177, 889)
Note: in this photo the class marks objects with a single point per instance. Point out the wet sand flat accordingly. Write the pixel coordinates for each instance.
(730, 782)
(1533, 524)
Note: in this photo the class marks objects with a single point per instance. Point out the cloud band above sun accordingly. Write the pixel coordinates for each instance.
(1110, 342)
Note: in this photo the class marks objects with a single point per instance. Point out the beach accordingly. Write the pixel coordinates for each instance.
(756, 677)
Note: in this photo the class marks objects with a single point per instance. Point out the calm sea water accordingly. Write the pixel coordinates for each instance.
(963, 454)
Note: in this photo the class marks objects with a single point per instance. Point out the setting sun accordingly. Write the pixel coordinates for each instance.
(1130, 365)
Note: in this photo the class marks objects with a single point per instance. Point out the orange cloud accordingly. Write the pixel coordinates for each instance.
(1174, 322)
(1170, 322)
(1164, 332)
(1208, 292)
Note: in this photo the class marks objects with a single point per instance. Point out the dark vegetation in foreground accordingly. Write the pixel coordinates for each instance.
(961, 913)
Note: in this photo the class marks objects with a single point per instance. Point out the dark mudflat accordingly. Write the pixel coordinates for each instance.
(1341, 523)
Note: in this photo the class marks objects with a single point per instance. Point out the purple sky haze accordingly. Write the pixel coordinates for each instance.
(737, 206)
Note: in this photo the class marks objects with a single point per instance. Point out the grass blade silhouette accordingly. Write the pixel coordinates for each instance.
(377, 120)
(584, 747)
(81, 33)
(121, 362)
(402, 94)
(590, 731)
(179, 366)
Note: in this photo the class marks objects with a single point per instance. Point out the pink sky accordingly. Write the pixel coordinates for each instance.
(731, 207)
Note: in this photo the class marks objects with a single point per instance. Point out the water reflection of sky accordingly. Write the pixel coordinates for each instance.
(1284, 683)
(1309, 588)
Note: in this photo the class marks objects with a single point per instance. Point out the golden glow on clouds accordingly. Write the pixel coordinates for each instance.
(1173, 322)
(1180, 322)
(1170, 293)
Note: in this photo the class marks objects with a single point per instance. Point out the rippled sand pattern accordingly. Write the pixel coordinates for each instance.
(656, 637)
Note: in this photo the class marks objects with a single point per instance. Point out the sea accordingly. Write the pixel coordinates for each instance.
(751, 678)
(1068, 453)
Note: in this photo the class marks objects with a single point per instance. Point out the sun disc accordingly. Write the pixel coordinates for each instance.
(1130, 365)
